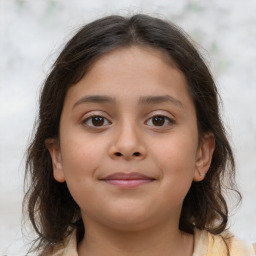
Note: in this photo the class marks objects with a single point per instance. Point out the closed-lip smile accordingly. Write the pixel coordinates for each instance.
(127, 180)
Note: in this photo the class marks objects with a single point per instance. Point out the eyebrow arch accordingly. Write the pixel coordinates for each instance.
(142, 100)
(160, 99)
(95, 99)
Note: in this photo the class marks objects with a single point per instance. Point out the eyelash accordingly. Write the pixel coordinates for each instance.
(90, 118)
(169, 120)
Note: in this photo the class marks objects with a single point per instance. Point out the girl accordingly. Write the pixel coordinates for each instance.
(130, 154)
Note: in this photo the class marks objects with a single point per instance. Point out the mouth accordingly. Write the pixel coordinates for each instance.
(128, 180)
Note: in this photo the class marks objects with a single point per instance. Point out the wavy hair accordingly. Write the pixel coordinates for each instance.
(49, 205)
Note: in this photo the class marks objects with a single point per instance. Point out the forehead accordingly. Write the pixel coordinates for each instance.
(130, 73)
(138, 55)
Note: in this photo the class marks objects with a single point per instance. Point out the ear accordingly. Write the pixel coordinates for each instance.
(54, 149)
(204, 156)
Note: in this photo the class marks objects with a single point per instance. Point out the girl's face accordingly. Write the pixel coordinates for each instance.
(128, 147)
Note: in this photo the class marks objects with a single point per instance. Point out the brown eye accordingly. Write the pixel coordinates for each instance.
(96, 121)
(159, 120)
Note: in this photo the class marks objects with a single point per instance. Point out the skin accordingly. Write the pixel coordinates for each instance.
(142, 220)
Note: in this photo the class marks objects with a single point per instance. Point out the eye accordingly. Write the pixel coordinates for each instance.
(159, 120)
(96, 121)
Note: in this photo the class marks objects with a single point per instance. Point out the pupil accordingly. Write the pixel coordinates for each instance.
(158, 120)
(97, 121)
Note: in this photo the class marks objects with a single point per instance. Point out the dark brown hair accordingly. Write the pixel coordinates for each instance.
(51, 209)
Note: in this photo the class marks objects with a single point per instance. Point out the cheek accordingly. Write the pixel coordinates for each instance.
(176, 151)
(176, 158)
(80, 159)
(80, 151)
(80, 162)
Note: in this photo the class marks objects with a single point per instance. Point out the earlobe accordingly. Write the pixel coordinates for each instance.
(54, 149)
(204, 156)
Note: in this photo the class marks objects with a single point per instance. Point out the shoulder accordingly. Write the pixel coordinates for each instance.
(67, 248)
(207, 244)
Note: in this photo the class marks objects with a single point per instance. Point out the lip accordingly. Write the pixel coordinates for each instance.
(127, 180)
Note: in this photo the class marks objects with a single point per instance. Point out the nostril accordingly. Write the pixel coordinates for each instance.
(134, 154)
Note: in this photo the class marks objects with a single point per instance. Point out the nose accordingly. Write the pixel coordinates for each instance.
(127, 144)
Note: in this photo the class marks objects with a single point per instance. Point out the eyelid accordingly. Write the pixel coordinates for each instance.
(161, 113)
(170, 119)
(96, 113)
(92, 114)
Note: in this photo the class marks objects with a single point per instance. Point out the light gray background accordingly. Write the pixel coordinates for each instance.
(32, 33)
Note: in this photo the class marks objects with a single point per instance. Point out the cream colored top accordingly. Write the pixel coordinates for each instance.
(205, 244)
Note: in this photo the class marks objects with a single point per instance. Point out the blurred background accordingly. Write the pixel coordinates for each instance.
(33, 32)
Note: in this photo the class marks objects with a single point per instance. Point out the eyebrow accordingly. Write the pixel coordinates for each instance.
(160, 99)
(95, 99)
(145, 100)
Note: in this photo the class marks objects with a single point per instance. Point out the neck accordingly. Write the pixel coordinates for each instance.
(162, 240)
